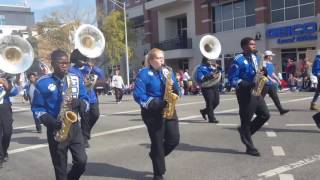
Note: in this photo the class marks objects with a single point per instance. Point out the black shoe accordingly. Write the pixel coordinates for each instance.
(6, 157)
(317, 121)
(86, 144)
(284, 111)
(252, 152)
(214, 121)
(158, 177)
(243, 139)
(203, 114)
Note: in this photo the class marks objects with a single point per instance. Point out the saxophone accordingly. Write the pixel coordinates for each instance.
(170, 97)
(66, 115)
(260, 81)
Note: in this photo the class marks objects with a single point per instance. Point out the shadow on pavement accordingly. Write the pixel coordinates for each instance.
(108, 170)
(189, 147)
(28, 140)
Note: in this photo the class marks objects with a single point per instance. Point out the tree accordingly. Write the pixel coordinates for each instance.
(113, 30)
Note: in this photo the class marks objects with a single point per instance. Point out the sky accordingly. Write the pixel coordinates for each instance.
(46, 7)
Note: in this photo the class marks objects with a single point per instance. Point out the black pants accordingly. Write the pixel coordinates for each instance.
(272, 91)
(89, 119)
(59, 154)
(317, 92)
(248, 106)
(118, 93)
(212, 97)
(5, 129)
(186, 87)
(164, 136)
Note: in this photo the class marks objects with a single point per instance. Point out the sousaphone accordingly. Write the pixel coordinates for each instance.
(210, 48)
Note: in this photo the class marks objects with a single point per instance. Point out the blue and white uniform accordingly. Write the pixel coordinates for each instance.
(316, 66)
(48, 94)
(150, 84)
(6, 98)
(270, 70)
(203, 71)
(243, 69)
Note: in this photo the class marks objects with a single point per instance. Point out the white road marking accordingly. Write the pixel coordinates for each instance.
(23, 127)
(20, 109)
(286, 177)
(271, 133)
(38, 146)
(288, 167)
(183, 104)
(300, 125)
(278, 151)
(224, 124)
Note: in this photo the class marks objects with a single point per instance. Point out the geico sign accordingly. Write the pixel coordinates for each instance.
(293, 30)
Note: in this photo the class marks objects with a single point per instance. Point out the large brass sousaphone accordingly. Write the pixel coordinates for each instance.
(210, 48)
(16, 54)
(89, 40)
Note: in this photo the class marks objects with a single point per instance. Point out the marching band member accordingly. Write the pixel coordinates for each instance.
(7, 89)
(49, 100)
(270, 87)
(241, 75)
(211, 94)
(316, 72)
(149, 93)
(29, 89)
(84, 69)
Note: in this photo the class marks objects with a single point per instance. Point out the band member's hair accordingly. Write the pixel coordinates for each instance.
(31, 74)
(76, 55)
(245, 41)
(152, 53)
(204, 60)
(56, 55)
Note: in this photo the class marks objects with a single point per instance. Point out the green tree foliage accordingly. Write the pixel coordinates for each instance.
(113, 30)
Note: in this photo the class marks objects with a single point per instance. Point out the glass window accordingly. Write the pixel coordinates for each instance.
(292, 13)
(277, 4)
(277, 15)
(250, 6)
(217, 27)
(217, 13)
(238, 9)
(227, 11)
(251, 20)
(228, 25)
(289, 3)
(307, 10)
(240, 23)
(306, 1)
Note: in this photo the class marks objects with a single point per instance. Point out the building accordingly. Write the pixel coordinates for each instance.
(290, 28)
(15, 18)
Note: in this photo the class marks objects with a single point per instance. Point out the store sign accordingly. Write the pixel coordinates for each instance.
(294, 33)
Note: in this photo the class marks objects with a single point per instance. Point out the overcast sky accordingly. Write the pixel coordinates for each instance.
(45, 7)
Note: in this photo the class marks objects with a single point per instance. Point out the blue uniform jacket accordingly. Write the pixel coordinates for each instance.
(316, 66)
(243, 68)
(48, 94)
(82, 73)
(270, 68)
(150, 84)
(202, 71)
(13, 92)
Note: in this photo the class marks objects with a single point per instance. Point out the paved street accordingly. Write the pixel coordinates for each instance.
(289, 144)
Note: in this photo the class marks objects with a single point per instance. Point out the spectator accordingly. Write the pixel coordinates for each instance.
(118, 85)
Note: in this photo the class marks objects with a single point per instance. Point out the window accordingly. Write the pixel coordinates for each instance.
(282, 10)
(182, 27)
(2, 20)
(234, 15)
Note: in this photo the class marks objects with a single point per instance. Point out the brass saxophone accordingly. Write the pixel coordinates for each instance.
(66, 115)
(260, 81)
(170, 97)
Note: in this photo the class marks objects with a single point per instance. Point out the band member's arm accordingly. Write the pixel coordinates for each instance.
(234, 74)
(38, 107)
(316, 67)
(141, 97)
(176, 87)
(83, 98)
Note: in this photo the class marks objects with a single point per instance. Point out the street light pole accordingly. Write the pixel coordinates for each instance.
(122, 5)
